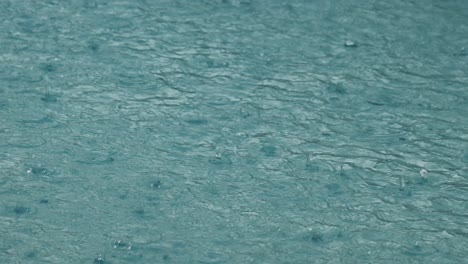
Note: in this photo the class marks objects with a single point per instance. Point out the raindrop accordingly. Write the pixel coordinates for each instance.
(402, 183)
(99, 259)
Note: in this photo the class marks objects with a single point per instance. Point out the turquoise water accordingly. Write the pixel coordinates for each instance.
(233, 131)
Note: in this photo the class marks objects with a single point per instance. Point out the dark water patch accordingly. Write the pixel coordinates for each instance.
(49, 119)
(22, 142)
(220, 160)
(197, 122)
(422, 181)
(314, 237)
(21, 210)
(40, 170)
(123, 196)
(334, 188)
(93, 46)
(419, 251)
(249, 110)
(48, 67)
(102, 160)
(140, 212)
(269, 150)
(49, 98)
(3, 105)
(156, 184)
(405, 192)
(30, 254)
(336, 89)
(313, 166)
(131, 78)
(124, 251)
(317, 165)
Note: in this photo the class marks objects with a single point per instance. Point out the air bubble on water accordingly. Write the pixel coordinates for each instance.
(122, 245)
(350, 44)
(423, 173)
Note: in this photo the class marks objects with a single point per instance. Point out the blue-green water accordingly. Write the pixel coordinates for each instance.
(233, 131)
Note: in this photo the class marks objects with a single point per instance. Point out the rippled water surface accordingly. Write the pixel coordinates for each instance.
(233, 131)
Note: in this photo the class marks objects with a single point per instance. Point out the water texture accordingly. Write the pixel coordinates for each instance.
(233, 131)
